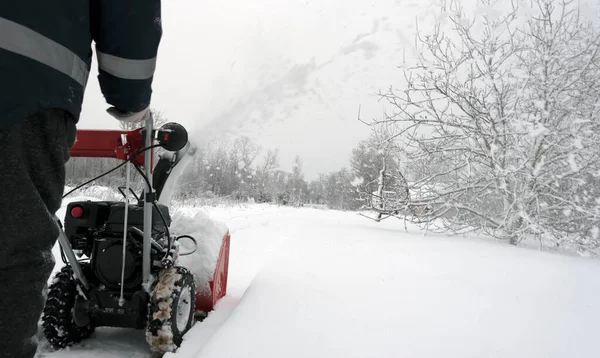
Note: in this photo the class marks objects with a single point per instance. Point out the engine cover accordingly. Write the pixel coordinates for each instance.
(87, 219)
(135, 217)
(107, 262)
(96, 229)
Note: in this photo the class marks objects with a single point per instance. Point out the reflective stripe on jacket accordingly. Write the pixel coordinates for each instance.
(45, 54)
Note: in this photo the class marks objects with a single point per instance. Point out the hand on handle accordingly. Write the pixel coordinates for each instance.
(130, 117)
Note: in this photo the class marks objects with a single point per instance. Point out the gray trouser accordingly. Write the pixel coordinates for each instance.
(32, 178)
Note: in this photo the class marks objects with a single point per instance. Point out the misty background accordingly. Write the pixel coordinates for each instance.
(288, 74)
(487, 121)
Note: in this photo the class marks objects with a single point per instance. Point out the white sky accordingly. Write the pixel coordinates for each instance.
(290, 74)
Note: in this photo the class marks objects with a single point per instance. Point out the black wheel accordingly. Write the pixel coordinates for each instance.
(171, 309)
(58, 319)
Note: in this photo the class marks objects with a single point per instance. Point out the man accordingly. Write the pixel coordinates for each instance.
(45, 58)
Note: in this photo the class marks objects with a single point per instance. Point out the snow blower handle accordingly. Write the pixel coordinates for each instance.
(122, 144)
(148, 205)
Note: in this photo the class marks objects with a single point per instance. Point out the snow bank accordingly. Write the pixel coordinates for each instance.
(209, 235)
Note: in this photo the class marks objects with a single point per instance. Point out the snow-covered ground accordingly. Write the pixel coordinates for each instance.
(317, 283)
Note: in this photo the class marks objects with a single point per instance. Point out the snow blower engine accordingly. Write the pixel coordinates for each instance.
(121, 258)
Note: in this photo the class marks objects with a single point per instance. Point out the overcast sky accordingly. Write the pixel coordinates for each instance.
(290, 74)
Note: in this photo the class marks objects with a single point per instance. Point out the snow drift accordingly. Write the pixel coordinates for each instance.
(200, 259)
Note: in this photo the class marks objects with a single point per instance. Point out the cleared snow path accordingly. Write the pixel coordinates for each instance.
(344, 287)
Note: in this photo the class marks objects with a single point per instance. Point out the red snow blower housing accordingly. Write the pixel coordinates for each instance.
(121, 259)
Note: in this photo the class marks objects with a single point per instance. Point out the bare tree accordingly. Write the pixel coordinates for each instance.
(297, 187)
(246, 152)
(339, 192)
(264, 189)
(379, 180)
(500, 122)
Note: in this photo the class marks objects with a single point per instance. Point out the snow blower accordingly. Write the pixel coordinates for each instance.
(122, 260)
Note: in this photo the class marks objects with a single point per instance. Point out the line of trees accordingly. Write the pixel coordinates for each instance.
(240, 171)
(236, 171)
(243, 171)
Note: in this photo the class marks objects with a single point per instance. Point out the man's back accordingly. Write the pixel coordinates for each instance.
(45, 59)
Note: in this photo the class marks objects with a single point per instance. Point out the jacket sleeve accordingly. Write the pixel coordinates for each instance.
(127, 34)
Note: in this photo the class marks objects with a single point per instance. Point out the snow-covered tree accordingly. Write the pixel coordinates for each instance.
(264, 188)
(243, 155)
(500, 119)
(339, 192)
(297, 188)
(378, 177)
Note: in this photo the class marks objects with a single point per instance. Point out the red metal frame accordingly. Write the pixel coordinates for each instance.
(109, 144)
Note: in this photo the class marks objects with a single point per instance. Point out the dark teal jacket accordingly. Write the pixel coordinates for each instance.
(46, 54)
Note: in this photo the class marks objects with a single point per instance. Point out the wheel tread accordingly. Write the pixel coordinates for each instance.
(161, 333)
(57, 321)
